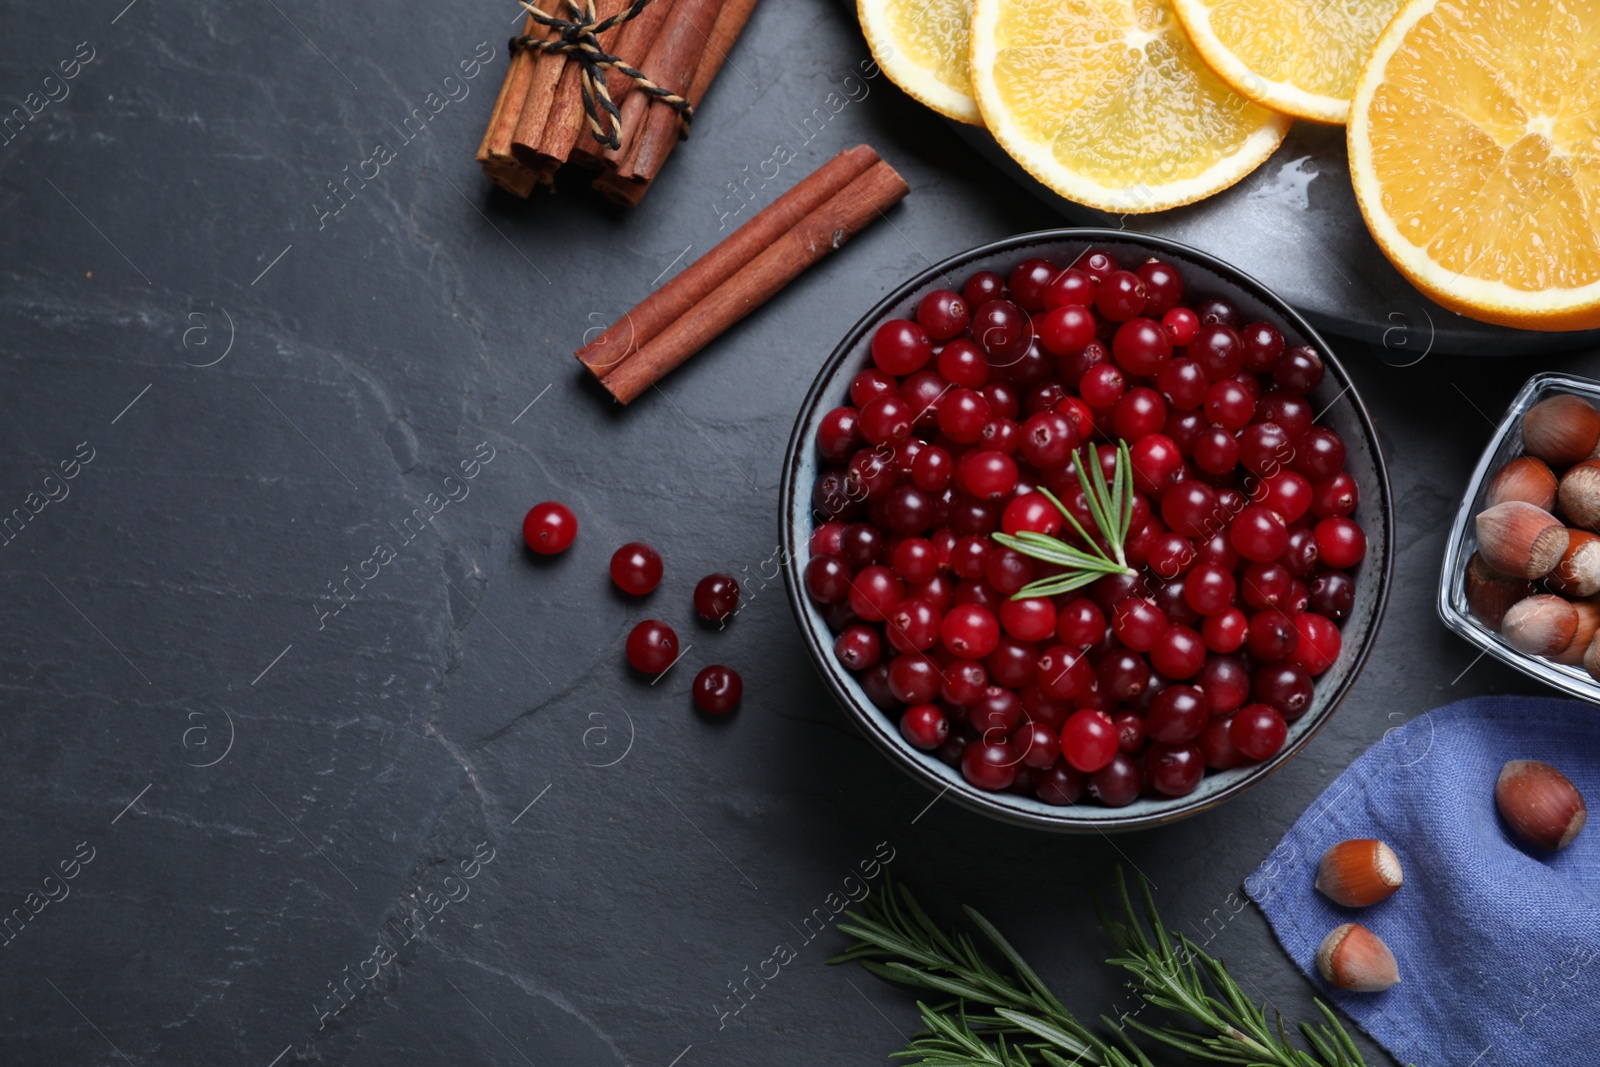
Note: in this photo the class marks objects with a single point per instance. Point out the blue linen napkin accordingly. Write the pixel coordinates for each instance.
(1498, 945)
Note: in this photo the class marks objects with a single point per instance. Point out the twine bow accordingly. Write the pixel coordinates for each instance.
(579, 38)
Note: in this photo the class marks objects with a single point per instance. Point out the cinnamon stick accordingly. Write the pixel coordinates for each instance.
(537, 102)
(671, 64)
(662, 307)
(632, 46)
(567, 117)
(630, 189)
(663, 126)
(494, 154)
(815, 236)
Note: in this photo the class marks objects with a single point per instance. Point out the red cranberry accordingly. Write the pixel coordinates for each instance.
(826, 538)
(982, 287)
(1263, 344)
(1177, 715)
(652, 646)
(1291, 412)
(1181, 325)
(900, 346)
(1340, 543)
(1011, 663)
(963, 682)
(1048, 440)
(1029, 619)
(874, 592)
(1123, 674)
(717, 689)
(1289, 494)
(1002, 330)
(1218, 350)
(913, 679)
(1319, 454)
(922, 391)
(716, 596)
(1102, 385)
(1218, 748)
(856, 647)
(1029, 279)
(1118, 783)
(943, 314)
(962, 415)
(827, 579)
(1163, 287)
(1228, 404)
(1217, 310)
(839, 435)
(969, 631)
(933, 469)
(1060, 786)
(1071, 286)
(1336, 496)
(1190, 508)
(1258, 731)
(912, 625)
(1259, 533)
(636, 568)
(1130, 726)
(1156, 461)
(1183, 383)
(1175, 770)
(1179, 653)
(1333, 594)
(1067, 330)
(1225, 631)
(987, 475)
(1137, 414)
(886, 420)
(1138, 623)
(1140, 346)
(1284, 686)
(1120, 296)
(962, 363)
(1089, 740)
(862, 544)
(1272, 636)
(1299, 371)
(924, 726)
(1319, 643)
(1225, 683)
(1007, 570)
(870, 384)
(1040, 746)
(549, 528)
(989, 765)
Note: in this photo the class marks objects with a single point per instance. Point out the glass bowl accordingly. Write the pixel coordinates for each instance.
(1336, 399)
(1505, 445)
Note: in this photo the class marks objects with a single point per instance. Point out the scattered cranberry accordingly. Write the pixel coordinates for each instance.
(636, 568)
(549, 528)
(652, 646)
(717, 689)
(716, 596)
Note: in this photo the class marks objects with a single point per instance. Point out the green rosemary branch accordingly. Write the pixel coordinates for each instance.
(1009, 1018)
(1022, 1024)
(1110, 506)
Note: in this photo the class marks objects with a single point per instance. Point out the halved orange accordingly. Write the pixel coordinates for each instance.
(1300, 57)
(922, 46)
(1107, 103)
(1474, 140)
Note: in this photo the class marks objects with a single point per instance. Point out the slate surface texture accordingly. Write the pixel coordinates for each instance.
(267, 382)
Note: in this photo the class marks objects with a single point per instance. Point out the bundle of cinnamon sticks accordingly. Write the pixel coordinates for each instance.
(539, 123)
(810, 221)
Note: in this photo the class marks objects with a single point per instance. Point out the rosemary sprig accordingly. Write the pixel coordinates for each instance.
(1111, 508)
(999, 1018)
(1020, 1022)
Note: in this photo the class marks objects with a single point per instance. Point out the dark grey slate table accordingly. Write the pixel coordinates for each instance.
(258, 766)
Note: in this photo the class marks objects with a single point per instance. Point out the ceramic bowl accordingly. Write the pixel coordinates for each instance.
(1336, 400)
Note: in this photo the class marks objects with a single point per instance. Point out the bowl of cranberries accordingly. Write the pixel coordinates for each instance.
(1087, 529)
